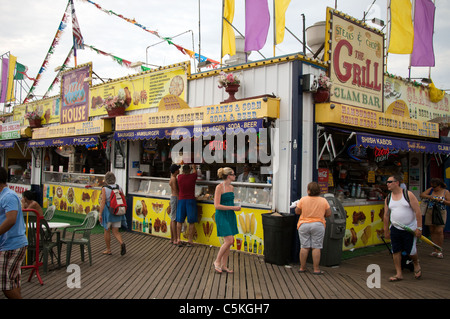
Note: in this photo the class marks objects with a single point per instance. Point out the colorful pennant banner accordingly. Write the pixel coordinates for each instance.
(55, 42)
(192, 54)
(64, 66)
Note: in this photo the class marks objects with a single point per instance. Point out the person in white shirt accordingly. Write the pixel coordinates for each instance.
(399, 210)
(247, 174)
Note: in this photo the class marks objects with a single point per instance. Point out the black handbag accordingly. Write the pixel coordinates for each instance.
(436, 216)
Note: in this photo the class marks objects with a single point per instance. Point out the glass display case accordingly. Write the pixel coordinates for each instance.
(155, 186)
(77, 179)
(247, 194)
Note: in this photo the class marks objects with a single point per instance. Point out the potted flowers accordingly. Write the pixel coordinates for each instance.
(115, 105)
(323, 89)
(231, 84)
(34, 118)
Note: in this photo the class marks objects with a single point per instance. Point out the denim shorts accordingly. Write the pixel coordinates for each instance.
(187, 207)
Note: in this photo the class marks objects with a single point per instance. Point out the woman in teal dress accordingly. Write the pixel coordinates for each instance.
(225, 216)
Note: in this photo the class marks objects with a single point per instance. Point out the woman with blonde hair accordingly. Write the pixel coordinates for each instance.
(226, 223)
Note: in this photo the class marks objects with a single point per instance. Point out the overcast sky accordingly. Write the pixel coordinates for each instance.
(29, 26)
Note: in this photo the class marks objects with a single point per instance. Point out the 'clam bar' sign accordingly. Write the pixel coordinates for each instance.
(356, 60)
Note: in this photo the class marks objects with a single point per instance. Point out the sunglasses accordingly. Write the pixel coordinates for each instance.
(231, 174)
(388, 182)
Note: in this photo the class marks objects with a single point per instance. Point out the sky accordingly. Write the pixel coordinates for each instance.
(29, 26)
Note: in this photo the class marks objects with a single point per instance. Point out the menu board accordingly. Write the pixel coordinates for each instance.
(355, 53)
(141, 91)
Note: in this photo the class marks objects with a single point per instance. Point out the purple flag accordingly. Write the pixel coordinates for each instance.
(257, 21)
(5, 66)
(423, 54)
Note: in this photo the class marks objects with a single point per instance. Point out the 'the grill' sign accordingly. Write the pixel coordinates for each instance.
(356, 60)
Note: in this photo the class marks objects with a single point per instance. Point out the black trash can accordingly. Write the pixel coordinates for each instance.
(279, 234)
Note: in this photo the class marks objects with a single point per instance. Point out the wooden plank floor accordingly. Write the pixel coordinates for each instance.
(155, 269)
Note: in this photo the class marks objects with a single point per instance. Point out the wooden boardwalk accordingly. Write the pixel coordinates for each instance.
(155, 269)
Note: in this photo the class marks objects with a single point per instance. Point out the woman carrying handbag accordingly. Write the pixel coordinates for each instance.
(436, 215)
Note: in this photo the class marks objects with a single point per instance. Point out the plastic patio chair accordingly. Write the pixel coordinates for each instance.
(85, 239)
(49, 213)
(46, 243)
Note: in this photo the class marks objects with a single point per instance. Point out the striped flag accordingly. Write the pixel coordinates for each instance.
(78, 41)
(423, 53)
(21, 71)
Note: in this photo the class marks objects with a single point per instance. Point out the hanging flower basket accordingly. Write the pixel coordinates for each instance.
(35, 123)
(322, 95)
(231, 89)
(116, 111)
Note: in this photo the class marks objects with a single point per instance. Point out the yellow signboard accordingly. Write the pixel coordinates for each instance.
(356, 56)
(152, 216)
(235, 111)
(73, 129)
(364, 226)
(367, 119)
(71, 199)
(49, 108)
(406, 99)
(141, 91)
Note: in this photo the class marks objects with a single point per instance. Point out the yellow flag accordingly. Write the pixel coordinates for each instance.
(11, 69)
(280, 19)
(402, 31)
(228, 38)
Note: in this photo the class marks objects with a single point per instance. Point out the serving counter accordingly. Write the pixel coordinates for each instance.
(72, 192)
(151, 211)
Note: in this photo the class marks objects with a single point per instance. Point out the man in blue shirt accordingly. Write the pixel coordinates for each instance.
(13, 241)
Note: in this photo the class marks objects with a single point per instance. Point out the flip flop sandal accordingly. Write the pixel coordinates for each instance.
(318, 273)
(395, 278)
(417, 272)
(227, 270)
(217, 269)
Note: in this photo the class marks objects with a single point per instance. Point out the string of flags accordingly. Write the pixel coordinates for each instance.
(63, 67)
(117, 59)
(192, 54)
(59, 32)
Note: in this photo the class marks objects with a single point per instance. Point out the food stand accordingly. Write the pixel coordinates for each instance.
(17, 157)
(73, 167)
(71, 148)
(374, 126)
(206, 131)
